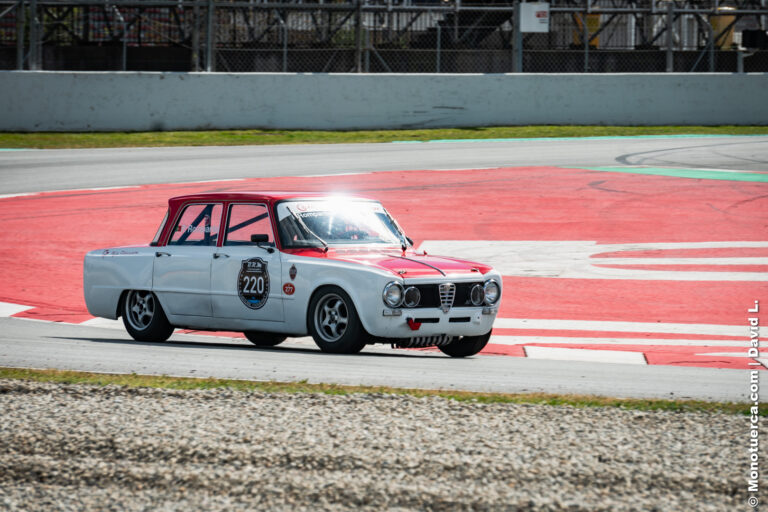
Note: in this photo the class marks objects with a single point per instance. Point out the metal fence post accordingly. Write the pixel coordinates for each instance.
(285, 46)
(124, 57)
(457, 6)
(34, 62)
(711, 46)
(284, 37)
(585, 38)
(20, 35)
(670, 39)
(210, 39)
(359, 37)
(439, 44)
(196, 38)
(517, 62)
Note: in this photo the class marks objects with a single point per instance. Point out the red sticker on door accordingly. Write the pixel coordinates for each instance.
(288, 289)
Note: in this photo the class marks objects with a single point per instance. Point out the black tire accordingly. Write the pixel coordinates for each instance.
(333, 322)
(466, 345)
(144, 318)
(264, 339)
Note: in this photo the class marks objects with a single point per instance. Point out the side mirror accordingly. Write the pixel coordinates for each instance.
(409, 240)
(262, 239)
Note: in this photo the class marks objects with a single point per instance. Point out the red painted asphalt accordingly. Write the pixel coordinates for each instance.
(44, 238)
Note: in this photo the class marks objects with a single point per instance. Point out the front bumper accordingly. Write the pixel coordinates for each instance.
(420, 322)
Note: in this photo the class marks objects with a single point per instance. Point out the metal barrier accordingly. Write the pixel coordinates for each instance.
(370, 36)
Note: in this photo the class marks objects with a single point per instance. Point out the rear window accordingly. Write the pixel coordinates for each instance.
(198, 225)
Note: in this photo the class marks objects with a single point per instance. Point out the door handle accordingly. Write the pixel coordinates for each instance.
(218, 255)
(159, 254)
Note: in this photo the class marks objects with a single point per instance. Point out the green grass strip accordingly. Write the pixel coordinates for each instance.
(701, 174)
(186, 383)
(49, 140)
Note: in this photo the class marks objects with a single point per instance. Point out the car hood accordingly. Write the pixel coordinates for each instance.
(412, 264)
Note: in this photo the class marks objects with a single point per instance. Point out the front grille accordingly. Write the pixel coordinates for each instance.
(447, 294)
(430, 295)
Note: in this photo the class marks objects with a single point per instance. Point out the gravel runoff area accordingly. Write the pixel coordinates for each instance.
(80, 447)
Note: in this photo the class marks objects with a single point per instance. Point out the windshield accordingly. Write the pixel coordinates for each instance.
(336, 222)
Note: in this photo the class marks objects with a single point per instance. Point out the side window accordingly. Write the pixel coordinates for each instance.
(198, 225)
(246, 220)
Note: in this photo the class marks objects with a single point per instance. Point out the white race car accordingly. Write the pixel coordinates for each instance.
(274, 265)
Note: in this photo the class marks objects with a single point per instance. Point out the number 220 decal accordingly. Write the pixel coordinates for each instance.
(253, 283)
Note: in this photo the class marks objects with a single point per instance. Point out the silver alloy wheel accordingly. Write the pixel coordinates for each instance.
(140, 309)
(331, 318)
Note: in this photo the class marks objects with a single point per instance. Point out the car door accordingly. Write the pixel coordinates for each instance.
(182, 269)
(246, 280)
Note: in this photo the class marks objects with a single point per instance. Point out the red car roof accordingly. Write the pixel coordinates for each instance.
(268, 197)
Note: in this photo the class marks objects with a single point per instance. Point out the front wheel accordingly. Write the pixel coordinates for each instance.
(466, 345)
(264, 339)
(144, 318)
(333, 322)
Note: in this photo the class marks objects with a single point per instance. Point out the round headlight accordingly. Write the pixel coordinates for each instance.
(477, 295)
(412, 297)
(393, 294)
(492, 292)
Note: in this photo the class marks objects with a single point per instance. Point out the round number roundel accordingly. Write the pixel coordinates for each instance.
(253, 283)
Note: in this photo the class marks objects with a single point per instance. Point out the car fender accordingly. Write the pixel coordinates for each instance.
(364, 285)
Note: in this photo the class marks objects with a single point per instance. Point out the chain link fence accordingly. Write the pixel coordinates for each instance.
(375, 36)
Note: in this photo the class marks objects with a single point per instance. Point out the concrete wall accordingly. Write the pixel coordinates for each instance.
(106, 101)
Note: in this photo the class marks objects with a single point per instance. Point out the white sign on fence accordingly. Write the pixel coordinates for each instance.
(534, 17)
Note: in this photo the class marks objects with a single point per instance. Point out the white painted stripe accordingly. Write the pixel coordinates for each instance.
(593, 356)
(726, 354)
(595, 325)
(96, 188)
(116, 188)
(103, 322)
(332, 174)
(5, 196)
(203, 181)
(9, 309)
(527, 340)
(680, 261)
(576, 259)
(700, 169)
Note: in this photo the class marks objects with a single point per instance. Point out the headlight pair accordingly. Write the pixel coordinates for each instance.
(395, 296)
(486, 293)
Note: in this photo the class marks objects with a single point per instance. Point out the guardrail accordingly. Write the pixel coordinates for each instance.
(136, 101)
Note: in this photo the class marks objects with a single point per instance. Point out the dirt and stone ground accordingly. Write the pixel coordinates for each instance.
(78, 447)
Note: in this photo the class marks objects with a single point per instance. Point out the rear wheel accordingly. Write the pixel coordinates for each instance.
(466, 345)
(144, 318)
(264, 339)
(333, 322)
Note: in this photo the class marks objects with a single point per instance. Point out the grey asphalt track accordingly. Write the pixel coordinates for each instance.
(28, 344)
(39, 170)
(43, 345)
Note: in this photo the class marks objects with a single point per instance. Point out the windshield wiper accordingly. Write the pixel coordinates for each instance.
(304, 225)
